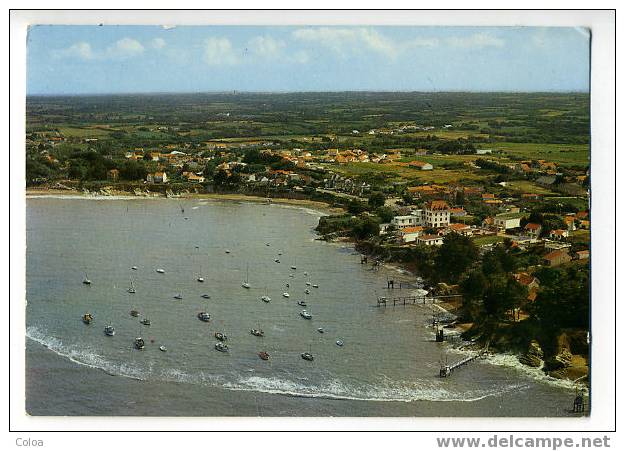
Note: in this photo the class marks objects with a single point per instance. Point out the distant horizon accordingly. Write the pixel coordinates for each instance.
(90, 59)
(236, 92)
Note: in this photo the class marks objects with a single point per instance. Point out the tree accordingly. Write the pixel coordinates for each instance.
(385, 214)
(376, 200)
(365, 228)
(455, 256)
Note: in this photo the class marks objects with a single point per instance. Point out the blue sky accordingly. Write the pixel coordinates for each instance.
(127, 59)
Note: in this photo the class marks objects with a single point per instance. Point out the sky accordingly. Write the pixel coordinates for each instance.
(141, 59)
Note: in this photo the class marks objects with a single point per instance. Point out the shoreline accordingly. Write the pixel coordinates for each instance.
(320, 206)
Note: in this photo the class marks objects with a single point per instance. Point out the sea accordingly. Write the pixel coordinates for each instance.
(388, 364)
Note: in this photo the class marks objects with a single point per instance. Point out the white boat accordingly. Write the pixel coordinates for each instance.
(132, 288)
(178, 296)
(227, 251)
(285, 294)
(134, 268)
(339, 342)
(304, 314)
(305, 273)
(162, 348)
(265, 298)
(86, 280)
(307, 291)
(320, 330)
(246, 284)
(314, 285)
(302, 303)
(257, 332)
(308, 356)
(200, 279)
(206, 296)
(109, 330)
(203, 316)
(160, 270)
(291, 275)
(307, 284)
(277, 260)
(221, 347)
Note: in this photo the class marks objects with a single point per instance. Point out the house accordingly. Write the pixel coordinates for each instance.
(157, 177)
(113, 175)
(559, 234)
(528, 281)
(436, 213)
(458, 212)
(193, 178)
(570, 223)
(415, 218)
(533, 229)
(430, 240)
(506, 221)
(421, 165)
(461, 229)
(582, 255)
(483, 151)
(557, 257)
(410, 234)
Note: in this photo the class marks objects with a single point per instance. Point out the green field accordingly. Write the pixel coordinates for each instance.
(562, 154)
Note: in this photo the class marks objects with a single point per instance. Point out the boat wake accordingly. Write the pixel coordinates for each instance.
(384, 390)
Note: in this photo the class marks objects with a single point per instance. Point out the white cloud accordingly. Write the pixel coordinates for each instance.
(124, 48)
(344, 41)
(266, 46)
(168, 27)
(158, 43)
(301, 57)
(81, 50)
(219, 51)
(477, 40)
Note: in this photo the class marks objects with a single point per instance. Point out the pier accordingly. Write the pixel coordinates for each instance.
(447, 370)
(383, 301)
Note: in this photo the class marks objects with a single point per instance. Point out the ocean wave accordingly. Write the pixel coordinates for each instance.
(384, 390)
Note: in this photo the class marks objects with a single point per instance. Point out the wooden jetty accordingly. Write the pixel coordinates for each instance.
(447, 370)
(383, 301)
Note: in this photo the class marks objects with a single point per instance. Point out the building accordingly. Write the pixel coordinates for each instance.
(459, 212)
(157, 177)
(461, 229)
(430, 240)
(436, 214)
(533, 229)
(559, 234)
(506, 221)
(557, 257)
(421, 165)
(410, 234)
(582, 255)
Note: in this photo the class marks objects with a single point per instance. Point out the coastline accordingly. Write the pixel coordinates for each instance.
(304, 203)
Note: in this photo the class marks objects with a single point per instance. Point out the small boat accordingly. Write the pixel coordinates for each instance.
(314, 285)
(145, 322)
(178, 296)
(132, 288)
(257, 332)
(291, 275)
(307, 284)
(339, 342)
(206, 296)
(86, 280)
(221, 347)
(305, 273)
(302, 303)
(304, 314)
(200, 279)
(263, 355)
(265, 298)
(109, 330)
(139, 343)
(227, 251)
(134, 313)
(293, 267)
(287, 285)
(285, 294)
(203, 316)
(134, 268)
(308, 356)
(320, 330)
(87, 318)
(277, 260)
(307, 291)
(162, 348)
(160, 270)
(246, 284)
(221, 337)
(267, 244)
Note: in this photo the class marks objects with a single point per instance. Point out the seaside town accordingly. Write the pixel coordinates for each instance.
(498, 230)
